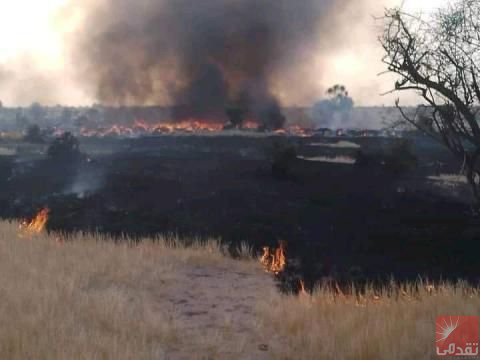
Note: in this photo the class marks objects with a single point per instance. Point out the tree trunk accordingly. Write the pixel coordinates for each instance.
(471, 175)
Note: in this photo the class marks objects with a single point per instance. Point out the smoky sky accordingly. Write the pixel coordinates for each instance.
(203, 53)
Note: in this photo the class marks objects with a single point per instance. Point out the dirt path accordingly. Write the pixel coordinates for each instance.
(213, 309)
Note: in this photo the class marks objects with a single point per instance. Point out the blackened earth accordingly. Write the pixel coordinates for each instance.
(342, 222)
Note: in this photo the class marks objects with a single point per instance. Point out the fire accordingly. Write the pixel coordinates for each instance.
(294, 130)
(274, 261)
(281, 132)
(37, 224)
(250, 124)
(189, 125)
(297, 130)
(141, 127)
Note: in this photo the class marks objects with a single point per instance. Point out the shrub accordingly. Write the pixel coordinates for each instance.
(400, 157)
(64, 147)
(367, 160)
(282, 156)
(236, 116)
(34, 135)
(397, 158)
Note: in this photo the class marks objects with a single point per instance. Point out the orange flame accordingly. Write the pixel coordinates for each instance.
(274, 261)
(142, 127)
(37, 224)
(293, 130)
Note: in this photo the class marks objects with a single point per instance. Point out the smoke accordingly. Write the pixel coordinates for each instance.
(24, 81)
(162, 52)
(87, 181)
(21, 86)
(206, 55)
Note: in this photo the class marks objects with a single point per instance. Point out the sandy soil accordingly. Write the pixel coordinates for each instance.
(218, 303)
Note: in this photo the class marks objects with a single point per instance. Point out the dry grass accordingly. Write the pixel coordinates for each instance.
(335, 159)
(90, 299)
(389, 324)
(7, 151)
(342, 144)
(451, 179)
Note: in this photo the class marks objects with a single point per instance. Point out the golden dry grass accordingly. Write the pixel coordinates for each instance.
(389, 324)
(328, 159)
(91, 299)
(5, 151)
(342, 144)
(449, 178)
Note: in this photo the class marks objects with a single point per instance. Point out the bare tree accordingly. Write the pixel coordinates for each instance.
(439, 57)
(66, 147)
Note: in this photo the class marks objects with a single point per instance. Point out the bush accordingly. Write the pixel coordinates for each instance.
(367, 160)
(34, 135)
(236, 116)
(401, 157)
(64, 147)
(398, 158)
(282, 156)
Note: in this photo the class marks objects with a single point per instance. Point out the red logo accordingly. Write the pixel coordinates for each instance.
(457, 335)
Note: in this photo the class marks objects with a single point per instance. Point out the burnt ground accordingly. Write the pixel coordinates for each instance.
(341, 221)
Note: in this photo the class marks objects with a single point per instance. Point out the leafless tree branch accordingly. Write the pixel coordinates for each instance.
(438, 57)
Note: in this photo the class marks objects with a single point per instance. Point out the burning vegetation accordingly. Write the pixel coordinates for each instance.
(187, 126)
(274, 261)
(37, 224)
(142, 127)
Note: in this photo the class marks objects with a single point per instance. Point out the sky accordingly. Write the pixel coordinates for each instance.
(36, 63)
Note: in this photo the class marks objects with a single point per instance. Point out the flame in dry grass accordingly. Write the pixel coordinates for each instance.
(274, 261)
(411, 293)
(37, 224)
(141, 127)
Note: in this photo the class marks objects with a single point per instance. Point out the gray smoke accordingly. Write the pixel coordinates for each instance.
(202, 54)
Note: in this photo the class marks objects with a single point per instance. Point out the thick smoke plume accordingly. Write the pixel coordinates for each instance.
(202, 55)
